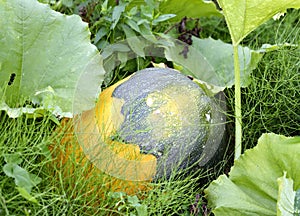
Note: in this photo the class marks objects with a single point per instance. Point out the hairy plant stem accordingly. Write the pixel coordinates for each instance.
(238, 104)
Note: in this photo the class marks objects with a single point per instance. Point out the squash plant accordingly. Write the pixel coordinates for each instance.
(242, 17)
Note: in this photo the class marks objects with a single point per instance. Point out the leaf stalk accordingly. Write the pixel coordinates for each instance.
(238, 104)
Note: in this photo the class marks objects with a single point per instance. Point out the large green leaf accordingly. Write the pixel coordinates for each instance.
(243, 16)
(252, 188)
(46, 58)
(211, 61)
(189, 8)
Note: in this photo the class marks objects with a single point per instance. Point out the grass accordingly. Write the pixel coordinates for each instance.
(270, 104)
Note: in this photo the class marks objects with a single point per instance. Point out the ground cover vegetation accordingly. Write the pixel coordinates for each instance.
(32, 185)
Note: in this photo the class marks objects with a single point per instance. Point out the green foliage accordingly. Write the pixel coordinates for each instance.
(41, 61)
(130, 205)
(138, 22)
(107, 19)
(111, 23)
(243, 17)
(252, 187)
(23, 180)
(141, 22)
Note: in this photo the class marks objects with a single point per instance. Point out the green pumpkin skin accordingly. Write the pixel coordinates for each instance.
(169, 116)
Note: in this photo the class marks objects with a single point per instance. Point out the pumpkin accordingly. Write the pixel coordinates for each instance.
(164, 114)
(154, 122)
